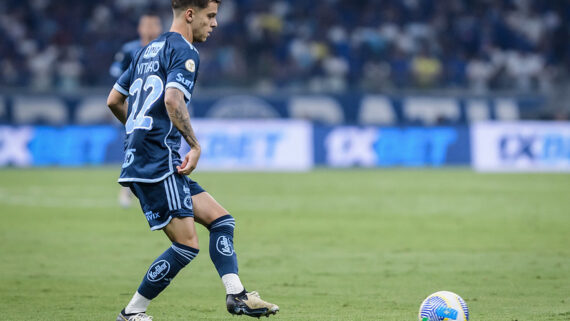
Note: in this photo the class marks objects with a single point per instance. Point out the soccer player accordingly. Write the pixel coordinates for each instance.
(158, 83)
(148, 29)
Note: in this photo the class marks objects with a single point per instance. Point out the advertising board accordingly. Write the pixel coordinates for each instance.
(350, 146)
(521, 146)
(226, 145)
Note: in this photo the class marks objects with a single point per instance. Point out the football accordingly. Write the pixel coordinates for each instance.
(443, 306)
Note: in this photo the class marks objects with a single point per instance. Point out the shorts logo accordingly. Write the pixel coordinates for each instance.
(150, 215)
(190, 65)
(188, 202)
(158, 271)
(224, 246)
(129, 158)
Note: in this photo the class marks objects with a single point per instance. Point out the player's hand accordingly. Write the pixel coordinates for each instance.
(190, 162)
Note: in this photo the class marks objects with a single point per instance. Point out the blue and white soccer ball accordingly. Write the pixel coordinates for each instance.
(443, 306)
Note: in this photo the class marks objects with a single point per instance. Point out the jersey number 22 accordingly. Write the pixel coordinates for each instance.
(138, 119)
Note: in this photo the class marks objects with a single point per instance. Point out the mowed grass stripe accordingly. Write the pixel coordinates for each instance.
(324, 245)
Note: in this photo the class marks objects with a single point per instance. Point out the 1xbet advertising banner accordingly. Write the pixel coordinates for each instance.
(254, 145)
(521, 146)
(24, 146)
(350, 146)
(226, 145)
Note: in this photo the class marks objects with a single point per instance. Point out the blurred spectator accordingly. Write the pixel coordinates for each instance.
(41, 66)
(69, 69)
(524, 68)
(329, 45)
(426, 69)
(480, 71)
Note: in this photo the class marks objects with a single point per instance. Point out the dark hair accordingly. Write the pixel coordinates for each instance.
(183, 4)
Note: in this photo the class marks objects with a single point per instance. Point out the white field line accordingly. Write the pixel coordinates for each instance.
(37, 197)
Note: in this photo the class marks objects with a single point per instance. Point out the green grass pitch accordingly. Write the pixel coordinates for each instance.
(324, 245)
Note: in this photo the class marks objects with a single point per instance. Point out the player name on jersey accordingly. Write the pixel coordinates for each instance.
(147, 67)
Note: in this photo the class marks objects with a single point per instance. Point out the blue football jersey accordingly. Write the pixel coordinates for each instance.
(152, 141)
(124, 57)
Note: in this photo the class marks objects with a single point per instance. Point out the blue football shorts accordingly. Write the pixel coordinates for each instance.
(162, 201)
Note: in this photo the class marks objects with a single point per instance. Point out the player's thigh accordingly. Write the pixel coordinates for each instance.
(206, 208)
(182, 230)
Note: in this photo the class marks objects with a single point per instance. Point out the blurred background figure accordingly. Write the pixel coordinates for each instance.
(149, 28)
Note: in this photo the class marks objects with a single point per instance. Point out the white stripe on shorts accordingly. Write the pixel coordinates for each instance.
(175, 205)
(176, 192)
(167, 195)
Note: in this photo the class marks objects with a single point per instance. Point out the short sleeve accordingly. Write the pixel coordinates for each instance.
(115, 70)
(122, 60)
(182, 70)
(124, 82)
(127, 59)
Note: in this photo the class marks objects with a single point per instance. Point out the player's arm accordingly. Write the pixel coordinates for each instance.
(117, 102)
(178, 113)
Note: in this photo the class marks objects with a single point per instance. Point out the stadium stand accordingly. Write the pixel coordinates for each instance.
(333, 45)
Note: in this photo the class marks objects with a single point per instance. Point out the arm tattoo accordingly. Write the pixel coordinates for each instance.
(181, 119)
(182, 122)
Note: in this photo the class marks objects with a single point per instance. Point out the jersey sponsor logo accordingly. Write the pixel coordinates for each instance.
(190, 65)
(224, 246)
(186, 82)
(158, 271)
(147, 67)
(153, 49)
(129, 157)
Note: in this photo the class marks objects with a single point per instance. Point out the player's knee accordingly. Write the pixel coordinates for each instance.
(224, 224)
(188, 240)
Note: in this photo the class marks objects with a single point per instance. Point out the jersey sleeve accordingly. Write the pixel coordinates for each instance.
(124, 82)
(122, 60)
(182, 70)
(115, 70)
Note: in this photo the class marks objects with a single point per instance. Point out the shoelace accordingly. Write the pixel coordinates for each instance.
(142, 317)
(266, 304)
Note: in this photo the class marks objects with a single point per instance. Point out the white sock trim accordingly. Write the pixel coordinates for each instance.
(232, 283)
(138, 304)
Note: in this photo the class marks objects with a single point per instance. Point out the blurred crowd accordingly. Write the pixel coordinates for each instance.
(326, 45)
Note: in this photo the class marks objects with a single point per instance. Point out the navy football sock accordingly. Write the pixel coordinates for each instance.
(222, 245)
(165, 268)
